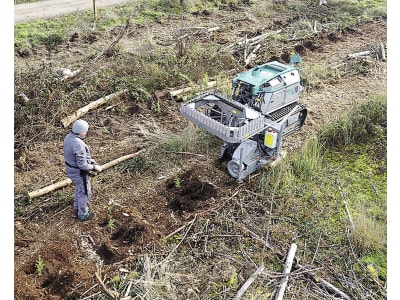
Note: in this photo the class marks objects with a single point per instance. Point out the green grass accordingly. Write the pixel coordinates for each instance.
(379, 263)
(364, 121)
(349, 155)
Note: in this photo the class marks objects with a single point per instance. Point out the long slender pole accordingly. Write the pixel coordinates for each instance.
(94, 10)
(68, 181)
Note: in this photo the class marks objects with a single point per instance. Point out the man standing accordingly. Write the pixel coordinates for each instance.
(78, 163)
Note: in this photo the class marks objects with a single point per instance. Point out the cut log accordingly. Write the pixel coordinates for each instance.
(202, 28)
(179, 91)
(383, 52)
(83, 110)
(24, 100)
(47, 189)
(364, 53)
(66, 182)
(71, 75)
(94, 11)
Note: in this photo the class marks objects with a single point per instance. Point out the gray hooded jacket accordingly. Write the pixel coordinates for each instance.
(76, 154)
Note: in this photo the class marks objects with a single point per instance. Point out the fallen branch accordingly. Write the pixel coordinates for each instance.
(66, 182)
(186, 153)
(329, 287)
(316, 249)
(345, 204)
(115, 42)
(248, 282)
(174, 232)
(83, 110)
(286, 271)
(372, 183)
(245, 42)
(91, 296)
(112, 294)
(128, 289)
(180, 242)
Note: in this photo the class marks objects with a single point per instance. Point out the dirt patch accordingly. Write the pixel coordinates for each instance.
(187, 193)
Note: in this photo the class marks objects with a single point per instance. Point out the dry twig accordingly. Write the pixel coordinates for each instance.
(372, 183)
(186, 153)
(345, 204)
(111, 294)
(180, 242)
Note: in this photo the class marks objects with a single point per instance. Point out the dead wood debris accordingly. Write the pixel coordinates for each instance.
(111, 294)
(111, 47)
(354, 62)
(107, 52)
(309, 274)
(249, 45)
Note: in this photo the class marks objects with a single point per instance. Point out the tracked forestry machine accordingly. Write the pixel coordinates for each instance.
(264, 108)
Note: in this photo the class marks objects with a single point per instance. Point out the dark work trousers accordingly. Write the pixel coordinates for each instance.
(83, 191)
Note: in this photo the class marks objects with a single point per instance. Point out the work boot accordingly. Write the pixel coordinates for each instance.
(88, 217)
(75, 213)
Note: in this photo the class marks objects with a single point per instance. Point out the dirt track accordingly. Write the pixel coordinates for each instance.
(51, 8)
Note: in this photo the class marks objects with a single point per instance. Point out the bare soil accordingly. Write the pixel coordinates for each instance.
(149, 206)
